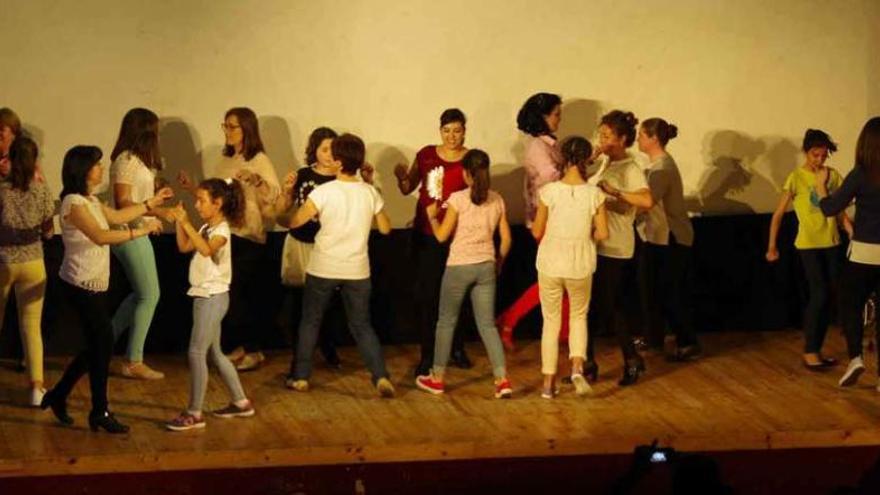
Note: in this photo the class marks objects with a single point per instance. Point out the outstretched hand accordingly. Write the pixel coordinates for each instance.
(368, 172)
(185, 181)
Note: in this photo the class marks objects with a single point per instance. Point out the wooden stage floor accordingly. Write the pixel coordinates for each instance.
(750, 392)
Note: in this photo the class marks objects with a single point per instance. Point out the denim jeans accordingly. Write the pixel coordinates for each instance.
(457, 279)
(821, 267)
(317, 294)
(208, 312)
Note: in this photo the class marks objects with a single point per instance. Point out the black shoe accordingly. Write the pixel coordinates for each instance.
(687, 353)
(591, 371)
(424, 368)
(631, 372)
(460, 359)
(107, 421)
(59, 408)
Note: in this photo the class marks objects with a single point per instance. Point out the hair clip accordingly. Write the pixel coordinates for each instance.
(228, 181)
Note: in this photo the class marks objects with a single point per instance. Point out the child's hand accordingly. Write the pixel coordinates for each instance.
(160, 197)
(178, 213)
(822, 175)
(152, 226)
(367, 172)
(609, 189)
(184, 181)
(772, 255)
(289, 182)
(431, 210)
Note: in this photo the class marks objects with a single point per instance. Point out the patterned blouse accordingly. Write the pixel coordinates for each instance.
(22, 214)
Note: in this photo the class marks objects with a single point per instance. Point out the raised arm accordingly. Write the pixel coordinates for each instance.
(85, 222)
(835, 203)
(640, 198)
(407, 178)
(136, 210)
(784, 202)
(442, 231)
(303, 214)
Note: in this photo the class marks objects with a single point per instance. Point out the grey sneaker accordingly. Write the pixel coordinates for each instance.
(233, 411)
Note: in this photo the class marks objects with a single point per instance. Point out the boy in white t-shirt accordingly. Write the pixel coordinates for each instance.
(346, 208)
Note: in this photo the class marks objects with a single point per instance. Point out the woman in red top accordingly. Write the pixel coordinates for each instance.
(430, 255)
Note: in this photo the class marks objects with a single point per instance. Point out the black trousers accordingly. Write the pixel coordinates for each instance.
(856, 284)
(95, 358)
(607, 304)
(821, 267)
(669, 298)
(247, 321)
(429, 258)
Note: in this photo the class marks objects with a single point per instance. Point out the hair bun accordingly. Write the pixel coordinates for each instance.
(673, 131)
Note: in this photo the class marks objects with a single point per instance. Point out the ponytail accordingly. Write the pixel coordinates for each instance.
(230, 192)
(576, 151)
(476, 162)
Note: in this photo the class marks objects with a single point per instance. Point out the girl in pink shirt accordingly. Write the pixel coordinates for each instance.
(474, 214)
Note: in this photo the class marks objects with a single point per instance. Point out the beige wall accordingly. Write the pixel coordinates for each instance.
(742, 79)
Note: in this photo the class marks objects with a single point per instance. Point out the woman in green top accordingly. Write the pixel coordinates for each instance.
(817, 240)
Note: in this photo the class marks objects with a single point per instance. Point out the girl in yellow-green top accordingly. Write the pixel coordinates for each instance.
(817, 240)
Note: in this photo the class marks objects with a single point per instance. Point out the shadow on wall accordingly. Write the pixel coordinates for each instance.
(275, 133)
(384, 157)
(180, 146)
(580, 117)
(731, 183)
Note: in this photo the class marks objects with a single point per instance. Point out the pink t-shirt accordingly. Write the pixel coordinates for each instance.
(473, 241)
(540, 163)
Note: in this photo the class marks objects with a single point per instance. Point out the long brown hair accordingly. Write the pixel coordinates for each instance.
(139, 135)
(315, 139)
(476, 163)
(250, 129)
(23, 162)
(868, 150)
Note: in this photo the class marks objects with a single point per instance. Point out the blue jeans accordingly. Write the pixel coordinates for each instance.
(457, 279)
(317, 294)
(208, 312)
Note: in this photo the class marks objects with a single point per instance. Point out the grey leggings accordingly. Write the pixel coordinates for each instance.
(208, 312)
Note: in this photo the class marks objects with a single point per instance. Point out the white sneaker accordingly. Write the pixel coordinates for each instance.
(37, 396)
(853, 372)
(581, 386)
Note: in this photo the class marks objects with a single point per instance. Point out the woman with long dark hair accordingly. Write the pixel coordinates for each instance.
(26, 209)
(861, 273)
(136, 159)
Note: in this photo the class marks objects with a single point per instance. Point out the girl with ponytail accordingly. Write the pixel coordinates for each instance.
(474, 214)
(219, 202)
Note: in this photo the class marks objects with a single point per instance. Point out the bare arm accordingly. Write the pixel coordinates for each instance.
(407, 179)
(442, 231)
(600, 224)
(540, 223)
(641, 198)
(135, 210)
(85, 222)
(506, 241)
(784, 202)
(303, 214)
(383, 223)
(205, 248)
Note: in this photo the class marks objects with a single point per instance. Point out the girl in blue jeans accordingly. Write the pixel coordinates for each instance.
(474, 214)
(218, 202)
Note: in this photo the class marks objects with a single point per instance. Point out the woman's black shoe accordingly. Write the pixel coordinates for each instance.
(424, 368)
(332, 359)
(108, 422)
(59, 408)
(591, 371)
(460, 360)
(631, 372)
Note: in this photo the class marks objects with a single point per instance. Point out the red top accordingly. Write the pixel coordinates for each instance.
(427, 159)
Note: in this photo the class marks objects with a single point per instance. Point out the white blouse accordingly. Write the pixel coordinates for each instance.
(85, 264)
(211, 275)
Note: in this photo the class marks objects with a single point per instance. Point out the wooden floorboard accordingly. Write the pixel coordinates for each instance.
(749, 392)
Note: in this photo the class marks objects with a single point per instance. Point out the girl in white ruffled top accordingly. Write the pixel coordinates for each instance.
(569, 220)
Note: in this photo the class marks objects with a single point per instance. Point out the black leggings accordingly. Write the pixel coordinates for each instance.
(247, 321)
(669, 294)
(95, 358)
(608, 303)
(856, 284)
(821, 267)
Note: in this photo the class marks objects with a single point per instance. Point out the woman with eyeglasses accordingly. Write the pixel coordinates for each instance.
(244, 159)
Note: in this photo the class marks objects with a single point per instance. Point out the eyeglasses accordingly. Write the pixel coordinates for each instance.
(230, 128)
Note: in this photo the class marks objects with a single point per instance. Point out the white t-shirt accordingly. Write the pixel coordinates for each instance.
(128, 169)
(624, 175)
(85, 264)
(567, 249)
(212, 275)
(346, 211)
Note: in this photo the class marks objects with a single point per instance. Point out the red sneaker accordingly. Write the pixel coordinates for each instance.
(503, 389)
(429, 384)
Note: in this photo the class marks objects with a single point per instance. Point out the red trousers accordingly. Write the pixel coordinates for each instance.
(525, 304)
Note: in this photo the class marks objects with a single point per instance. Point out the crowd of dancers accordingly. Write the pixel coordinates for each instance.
(582, 200)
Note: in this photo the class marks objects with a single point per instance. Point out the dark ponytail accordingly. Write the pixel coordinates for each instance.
(23, 162)
(476, 162)
(622, 124)
(576, 151)
(231, 193)
(659, 128)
